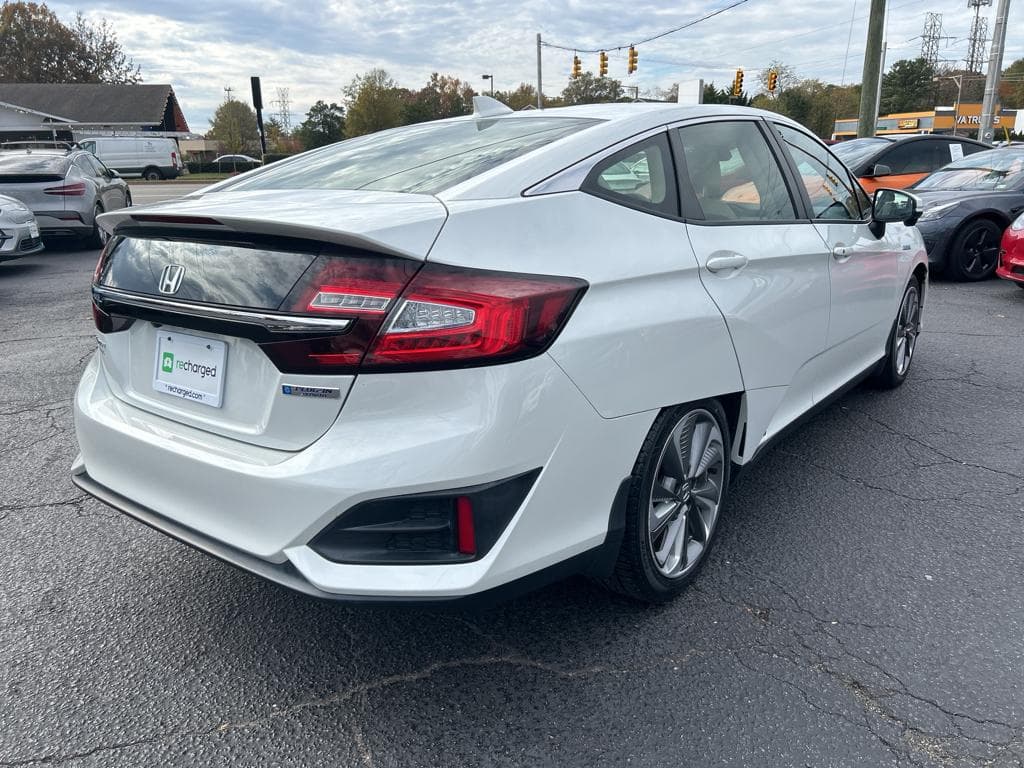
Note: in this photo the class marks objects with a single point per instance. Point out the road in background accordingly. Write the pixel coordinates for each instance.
(144, 193)
(862, 606)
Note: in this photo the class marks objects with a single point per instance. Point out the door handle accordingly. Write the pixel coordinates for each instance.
(841, 252)
(730, 261)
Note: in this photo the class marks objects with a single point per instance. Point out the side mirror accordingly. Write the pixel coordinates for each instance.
(892, 205)
(880, 170)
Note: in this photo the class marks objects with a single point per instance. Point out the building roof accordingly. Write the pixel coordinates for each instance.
(99, 103)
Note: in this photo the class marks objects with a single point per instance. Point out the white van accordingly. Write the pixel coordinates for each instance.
(152, 159)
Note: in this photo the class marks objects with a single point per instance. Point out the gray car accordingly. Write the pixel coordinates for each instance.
(65, 188)
(19, 233)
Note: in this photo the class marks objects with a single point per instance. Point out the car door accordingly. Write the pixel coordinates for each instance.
(761, 261)
(864, 270)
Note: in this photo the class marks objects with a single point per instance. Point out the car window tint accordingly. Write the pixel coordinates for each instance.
(733, 173)
(426, 157)
(828, 186)
(640, 176)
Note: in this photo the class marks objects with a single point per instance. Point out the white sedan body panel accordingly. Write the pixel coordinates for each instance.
(645, 319)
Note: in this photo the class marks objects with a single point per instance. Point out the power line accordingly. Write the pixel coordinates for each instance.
(658, 36)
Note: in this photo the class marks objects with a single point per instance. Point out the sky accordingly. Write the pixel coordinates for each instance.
(315, 48)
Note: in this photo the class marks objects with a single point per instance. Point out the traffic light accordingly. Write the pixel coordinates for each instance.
(577, 66)
(773, 80)
(631, 60)
(602, 68)
(737, 83)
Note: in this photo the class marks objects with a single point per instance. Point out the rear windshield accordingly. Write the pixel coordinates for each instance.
(24, 163)
(427, 158)
(856, 151)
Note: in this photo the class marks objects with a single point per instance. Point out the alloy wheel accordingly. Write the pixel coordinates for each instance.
(908, 326)
(686, 494)
(980, 251)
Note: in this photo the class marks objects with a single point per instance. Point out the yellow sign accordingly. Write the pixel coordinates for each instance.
(908, 123)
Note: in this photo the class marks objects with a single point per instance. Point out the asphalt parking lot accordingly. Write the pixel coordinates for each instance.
(864, 605)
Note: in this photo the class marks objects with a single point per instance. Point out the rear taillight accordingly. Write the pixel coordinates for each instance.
(411, 317)
(174, 159)
(74, 189)
(451, 315)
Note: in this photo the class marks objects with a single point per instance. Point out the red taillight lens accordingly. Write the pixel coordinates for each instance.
(75, 189)
(450, 316)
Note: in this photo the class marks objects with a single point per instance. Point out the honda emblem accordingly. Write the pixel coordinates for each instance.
(170, 278)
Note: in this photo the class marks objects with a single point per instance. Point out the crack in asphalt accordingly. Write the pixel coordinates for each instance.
(332, 700)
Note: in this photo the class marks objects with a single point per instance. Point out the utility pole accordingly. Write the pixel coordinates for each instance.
(878, 92)
(867, 123)
(540, 83)
(995, 71)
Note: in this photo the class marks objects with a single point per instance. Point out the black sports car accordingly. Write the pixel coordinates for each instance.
(967, 205)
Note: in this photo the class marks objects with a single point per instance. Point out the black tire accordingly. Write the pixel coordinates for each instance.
(974, 252)
(152, 174)
(96, 238)
(894, 371)
(637, 573)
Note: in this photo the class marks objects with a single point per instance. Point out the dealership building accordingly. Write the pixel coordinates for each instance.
(961, 120)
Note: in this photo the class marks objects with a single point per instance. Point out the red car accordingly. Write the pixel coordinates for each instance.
(1011, 254)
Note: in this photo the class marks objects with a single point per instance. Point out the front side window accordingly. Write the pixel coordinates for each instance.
(916, 156)
(733, 173)
(828, 186)
(640, 176)
(426, 157)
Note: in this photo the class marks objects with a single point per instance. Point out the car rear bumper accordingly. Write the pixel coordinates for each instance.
(62, 223)
(398, 434)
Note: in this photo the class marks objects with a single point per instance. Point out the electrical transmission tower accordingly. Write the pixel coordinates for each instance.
(930, 38)
(284, 109)
(228, 93)
(979, 36)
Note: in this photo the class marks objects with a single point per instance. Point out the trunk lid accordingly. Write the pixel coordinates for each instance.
(209, 304)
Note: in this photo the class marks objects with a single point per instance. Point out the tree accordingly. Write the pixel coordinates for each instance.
(588, 89)
(442, 96)
(713, 95)
(786, 76)
(525, 95)
(908, 87)
(374, 102)
(234, 126)
(1011, 92)
(36, 47)
(324, 124)
(813, 103)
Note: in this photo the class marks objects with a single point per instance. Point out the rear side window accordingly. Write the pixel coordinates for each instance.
(640, 176)
(916, 156)
(734, 174)
(427, 158)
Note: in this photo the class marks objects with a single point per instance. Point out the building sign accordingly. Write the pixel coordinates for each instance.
(908, 123)
(974, 119)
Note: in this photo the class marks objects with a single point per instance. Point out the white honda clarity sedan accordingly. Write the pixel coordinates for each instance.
(455, 359)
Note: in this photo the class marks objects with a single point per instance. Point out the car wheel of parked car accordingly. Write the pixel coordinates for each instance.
(152, 174)
(975, 250)
(679, 485)
(902, 339)
(97, 238)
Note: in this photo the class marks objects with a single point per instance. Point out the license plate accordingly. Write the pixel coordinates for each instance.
(190, 367)
(33, 229)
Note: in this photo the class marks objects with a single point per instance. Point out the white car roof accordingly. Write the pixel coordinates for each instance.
(620, 121)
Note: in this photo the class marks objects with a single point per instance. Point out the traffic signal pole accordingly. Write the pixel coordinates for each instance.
(867, 120)
(540, 91)
(995, 70)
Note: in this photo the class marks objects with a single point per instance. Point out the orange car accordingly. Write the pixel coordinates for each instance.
(899, 161)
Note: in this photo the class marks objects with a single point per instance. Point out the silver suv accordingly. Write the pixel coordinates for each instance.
(65, 187)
